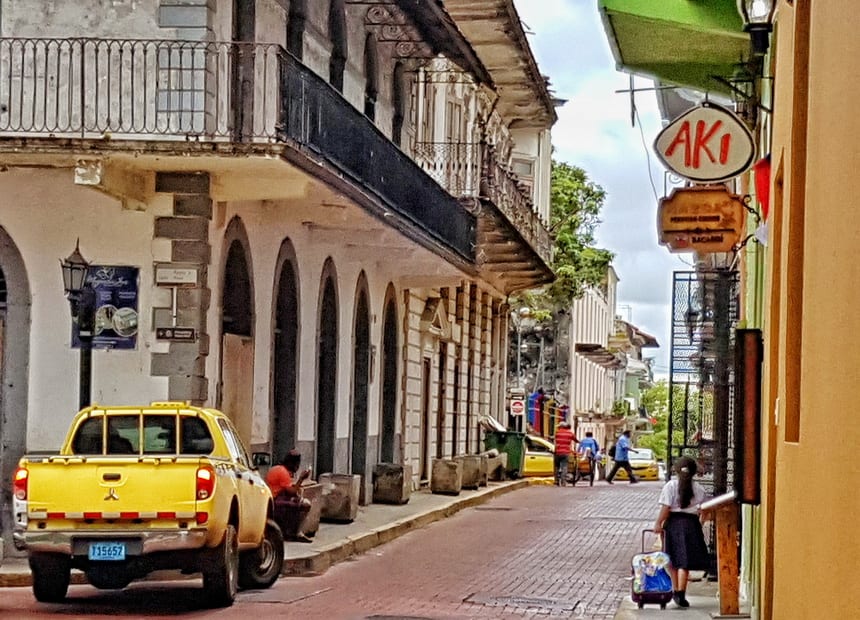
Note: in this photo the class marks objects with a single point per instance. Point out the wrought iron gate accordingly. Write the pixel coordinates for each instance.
(704, 313)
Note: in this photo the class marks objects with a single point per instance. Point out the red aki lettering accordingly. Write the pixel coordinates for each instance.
(694, 148)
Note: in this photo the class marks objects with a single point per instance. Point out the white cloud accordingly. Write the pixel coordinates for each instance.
(594, 132)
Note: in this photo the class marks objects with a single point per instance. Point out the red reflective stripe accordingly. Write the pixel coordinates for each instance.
(55, 515)
(92, 515)
(166, 515)
(129, 515)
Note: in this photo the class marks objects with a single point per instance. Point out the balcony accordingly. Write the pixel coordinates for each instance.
(181, 97)
(471, 170)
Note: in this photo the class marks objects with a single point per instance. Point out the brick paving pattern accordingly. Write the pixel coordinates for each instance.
(541, 552)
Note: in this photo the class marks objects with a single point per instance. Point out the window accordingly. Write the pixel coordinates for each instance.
(123, 434)
(196, 438)
(88, 437)
(159, 434)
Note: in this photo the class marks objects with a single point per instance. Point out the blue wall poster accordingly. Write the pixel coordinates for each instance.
(115, 307)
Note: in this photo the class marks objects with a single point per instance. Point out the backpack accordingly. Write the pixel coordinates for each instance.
(612, 451)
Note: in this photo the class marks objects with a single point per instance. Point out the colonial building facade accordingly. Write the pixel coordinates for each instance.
(307, 213)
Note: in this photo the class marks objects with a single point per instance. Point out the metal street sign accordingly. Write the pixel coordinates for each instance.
(175, 275)
(707, 144)
(518, 407)
(176, 334)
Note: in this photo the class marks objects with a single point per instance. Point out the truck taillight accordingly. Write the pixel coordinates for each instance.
(205, 482)
(19, 484)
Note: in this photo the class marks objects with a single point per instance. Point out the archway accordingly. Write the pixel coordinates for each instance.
(236, 395)
(285, 353)
(327, 371)
(360, 380)
(389, 378)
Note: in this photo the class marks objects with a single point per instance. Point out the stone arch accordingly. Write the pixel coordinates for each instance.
(15, 313)
(235, 396)
(285, 350)
(390, 376)
(326, 397)
(360, 376)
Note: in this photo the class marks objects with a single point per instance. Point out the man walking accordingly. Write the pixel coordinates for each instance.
(564, 440)
(622, 458)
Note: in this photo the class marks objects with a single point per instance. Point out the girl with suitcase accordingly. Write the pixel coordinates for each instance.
(679, 523)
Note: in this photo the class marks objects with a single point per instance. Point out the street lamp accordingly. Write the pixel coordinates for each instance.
(82, 302)
(518, 317)
(758, 16)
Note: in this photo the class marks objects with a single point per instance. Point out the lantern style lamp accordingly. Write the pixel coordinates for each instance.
(82, 305)
(758, 22)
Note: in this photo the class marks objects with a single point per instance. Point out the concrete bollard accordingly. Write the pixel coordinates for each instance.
(471, 466)
(447, 477)
(340, 493)
(392, 483)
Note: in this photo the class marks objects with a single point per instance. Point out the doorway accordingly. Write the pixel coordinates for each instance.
(424, 431)
(389, 381)
(327, 376)
(360, 385)
(244, 34)
(285, 358)
(441, 394)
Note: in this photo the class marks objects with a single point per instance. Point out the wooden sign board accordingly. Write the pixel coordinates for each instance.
(702, 219)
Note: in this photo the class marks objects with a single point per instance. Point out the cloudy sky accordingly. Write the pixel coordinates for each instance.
(594, 132)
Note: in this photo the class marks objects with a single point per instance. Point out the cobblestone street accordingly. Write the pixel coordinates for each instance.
(539, 552)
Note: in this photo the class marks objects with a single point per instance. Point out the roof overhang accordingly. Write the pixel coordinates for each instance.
(599, 355)
(698, 44)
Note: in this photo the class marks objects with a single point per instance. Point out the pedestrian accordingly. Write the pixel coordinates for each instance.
(564, 440)
(589, 442)
(290, 508)
(622, 458)
(679, 523)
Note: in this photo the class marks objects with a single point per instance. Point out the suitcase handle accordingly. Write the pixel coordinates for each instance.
(662, 546)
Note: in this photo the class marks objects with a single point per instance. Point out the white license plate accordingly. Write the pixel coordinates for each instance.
(107, 551)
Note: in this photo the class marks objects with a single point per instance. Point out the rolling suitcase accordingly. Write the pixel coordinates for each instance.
(651, 584)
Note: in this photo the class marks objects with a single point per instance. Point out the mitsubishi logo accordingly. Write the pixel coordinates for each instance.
(112, 495)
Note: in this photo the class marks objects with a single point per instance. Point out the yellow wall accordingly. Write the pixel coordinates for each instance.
(812, 434)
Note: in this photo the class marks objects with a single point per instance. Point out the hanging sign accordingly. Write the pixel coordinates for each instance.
(706, 144)
(115, 321)
(701, 219)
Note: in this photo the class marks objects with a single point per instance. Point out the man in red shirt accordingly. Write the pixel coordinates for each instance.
(290, 507)
(564, 440)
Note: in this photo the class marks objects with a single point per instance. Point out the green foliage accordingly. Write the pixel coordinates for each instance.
(687, 404)
(576, 202)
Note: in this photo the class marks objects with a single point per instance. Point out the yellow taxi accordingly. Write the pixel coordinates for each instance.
(539, 457)
(644, 465)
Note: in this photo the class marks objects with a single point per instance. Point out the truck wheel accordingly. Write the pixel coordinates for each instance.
(51, 573)
(261, 567)
(221, 570)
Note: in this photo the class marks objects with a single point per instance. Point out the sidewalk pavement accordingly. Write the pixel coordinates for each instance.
(377, 524)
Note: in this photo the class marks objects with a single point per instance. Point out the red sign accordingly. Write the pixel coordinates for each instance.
(518, 407)
(707, 144)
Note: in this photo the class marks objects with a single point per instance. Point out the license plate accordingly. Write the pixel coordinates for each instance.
(107, 551)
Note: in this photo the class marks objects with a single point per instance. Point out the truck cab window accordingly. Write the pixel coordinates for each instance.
(88, 438)
(123, 434)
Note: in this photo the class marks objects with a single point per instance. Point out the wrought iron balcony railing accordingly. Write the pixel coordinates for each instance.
(472, 170)
(214, 92)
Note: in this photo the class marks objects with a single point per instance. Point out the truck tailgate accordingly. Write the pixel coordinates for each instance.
(112, 487)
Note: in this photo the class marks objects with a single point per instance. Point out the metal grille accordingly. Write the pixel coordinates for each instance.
(701, 400)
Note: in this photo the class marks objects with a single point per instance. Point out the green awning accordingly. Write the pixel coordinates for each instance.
(690, 43)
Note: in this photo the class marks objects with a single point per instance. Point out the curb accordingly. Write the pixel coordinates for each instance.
(316, 562)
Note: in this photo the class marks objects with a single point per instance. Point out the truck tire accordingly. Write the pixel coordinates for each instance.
(221, 570)
(51, 573)
(261, 567)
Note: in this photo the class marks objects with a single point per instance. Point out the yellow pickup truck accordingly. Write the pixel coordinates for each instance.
(138, 489)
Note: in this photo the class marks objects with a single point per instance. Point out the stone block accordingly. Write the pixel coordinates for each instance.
(392, 483)
(340, 493)
(446, 477)
(497, 466)
(471, 470)
(312, 491)
(484, 470)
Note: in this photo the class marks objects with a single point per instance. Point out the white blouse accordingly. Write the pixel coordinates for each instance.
(671, 497)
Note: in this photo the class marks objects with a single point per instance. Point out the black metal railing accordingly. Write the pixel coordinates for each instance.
(213, 92)
(472, 170)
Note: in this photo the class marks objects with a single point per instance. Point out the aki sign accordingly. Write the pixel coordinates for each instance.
(706, 144)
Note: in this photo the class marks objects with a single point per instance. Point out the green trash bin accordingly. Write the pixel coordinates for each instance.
(512, 443)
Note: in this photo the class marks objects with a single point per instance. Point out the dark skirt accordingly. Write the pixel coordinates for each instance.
(685, 542)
